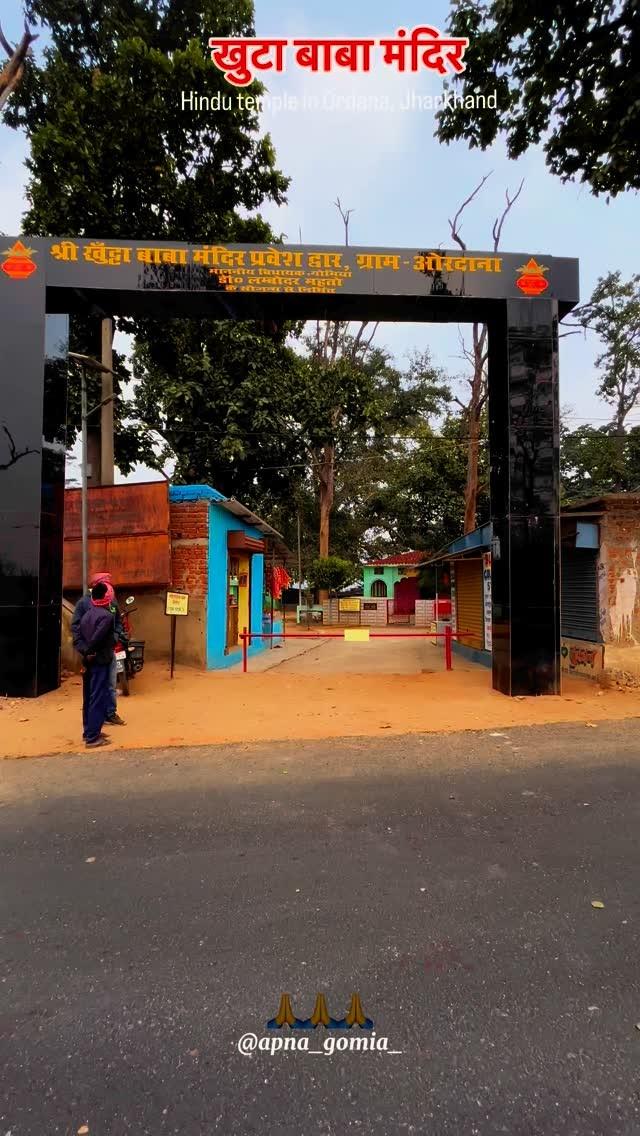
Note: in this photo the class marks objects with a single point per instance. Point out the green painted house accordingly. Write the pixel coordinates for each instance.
(382, 578)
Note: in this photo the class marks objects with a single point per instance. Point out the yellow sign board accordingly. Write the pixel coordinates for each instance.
(177, 603)
(349, 604)
(356, 634)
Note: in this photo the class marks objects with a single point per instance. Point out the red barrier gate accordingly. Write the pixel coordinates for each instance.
(448, 635)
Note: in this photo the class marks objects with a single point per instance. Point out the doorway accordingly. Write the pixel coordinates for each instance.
(405, 594)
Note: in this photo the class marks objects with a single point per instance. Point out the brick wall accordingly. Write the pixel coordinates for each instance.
(369, 618)
(189, 532)
(619, 594)
(377, 618)
(425, 612)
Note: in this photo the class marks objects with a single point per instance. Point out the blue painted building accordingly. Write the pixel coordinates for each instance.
(219, 549)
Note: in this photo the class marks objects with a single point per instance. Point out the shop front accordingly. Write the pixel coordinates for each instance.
(243, 577)
(221, 548)
(600, 596)
(467, 563)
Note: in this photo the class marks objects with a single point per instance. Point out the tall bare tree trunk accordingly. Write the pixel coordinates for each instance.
(475, 407)
(326, 482)
(477, 356)
(471, 486)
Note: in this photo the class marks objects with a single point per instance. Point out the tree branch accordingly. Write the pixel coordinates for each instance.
(499, 221)
(13, 71)
(346, 217)
(14, 456)
(453, 225)
(370, 339)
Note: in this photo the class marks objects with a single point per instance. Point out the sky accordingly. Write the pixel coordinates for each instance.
(403, 185)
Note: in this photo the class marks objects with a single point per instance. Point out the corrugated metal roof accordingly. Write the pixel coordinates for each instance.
(238, 510)
(206, 493)
(472, 542)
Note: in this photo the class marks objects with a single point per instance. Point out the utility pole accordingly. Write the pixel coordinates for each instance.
(299, 564)
(106, 409)
(86, 361)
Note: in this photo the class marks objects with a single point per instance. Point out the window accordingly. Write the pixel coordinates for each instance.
(379, 589)
(378, 571)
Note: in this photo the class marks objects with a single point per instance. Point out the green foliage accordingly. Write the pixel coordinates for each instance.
(613, 313)
(565, 74)
(420, 503)
(220, 395)
(114, 155)
(594, 462)
(608, 460)
(112, 152)
(332, 573)
(382, 418)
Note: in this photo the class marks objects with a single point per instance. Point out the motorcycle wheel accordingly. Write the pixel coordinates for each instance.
(124, 683)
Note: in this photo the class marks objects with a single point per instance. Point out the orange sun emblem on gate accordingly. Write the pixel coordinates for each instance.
(18, 265)
(531, 281)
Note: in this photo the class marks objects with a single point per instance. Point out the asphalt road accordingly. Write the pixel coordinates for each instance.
(154, 906)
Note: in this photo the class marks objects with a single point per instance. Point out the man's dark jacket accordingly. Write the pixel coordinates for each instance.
(97, 634)
(81, 608)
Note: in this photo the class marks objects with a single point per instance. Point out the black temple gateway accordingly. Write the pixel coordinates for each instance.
(520, 296)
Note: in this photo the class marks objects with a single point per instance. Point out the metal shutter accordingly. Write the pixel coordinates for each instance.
(579, 614)
(469, 615)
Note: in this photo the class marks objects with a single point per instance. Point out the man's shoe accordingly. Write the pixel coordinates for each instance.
(116, 720)
(97, 742)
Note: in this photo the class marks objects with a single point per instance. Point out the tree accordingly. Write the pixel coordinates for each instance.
(565, 74)
(594, 462)
(353, 414)
(219, 395)
(420, 504)
(335, 396)
(113, 154)
(400, 404)
(473, 408)
(329, 573)
(613, 313)
(336, 402)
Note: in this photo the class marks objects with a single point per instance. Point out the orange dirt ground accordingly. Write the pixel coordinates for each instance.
(199, 708)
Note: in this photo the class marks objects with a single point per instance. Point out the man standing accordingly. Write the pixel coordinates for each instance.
(82, 606)
(96, 637)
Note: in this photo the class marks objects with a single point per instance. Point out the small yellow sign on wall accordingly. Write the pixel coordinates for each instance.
(356, 634)
(351, 603)
(177, 603)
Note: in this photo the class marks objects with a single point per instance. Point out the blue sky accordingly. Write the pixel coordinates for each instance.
(403, 185)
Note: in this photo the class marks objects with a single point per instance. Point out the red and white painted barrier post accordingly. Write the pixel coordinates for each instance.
(447, 647)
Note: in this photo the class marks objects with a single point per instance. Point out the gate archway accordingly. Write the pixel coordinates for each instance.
(520, 298)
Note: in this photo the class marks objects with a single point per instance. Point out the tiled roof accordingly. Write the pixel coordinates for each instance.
(400, 558)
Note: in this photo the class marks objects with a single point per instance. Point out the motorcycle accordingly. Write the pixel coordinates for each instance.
(129, 655)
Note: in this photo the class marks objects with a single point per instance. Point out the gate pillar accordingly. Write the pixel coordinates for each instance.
(524, 441)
